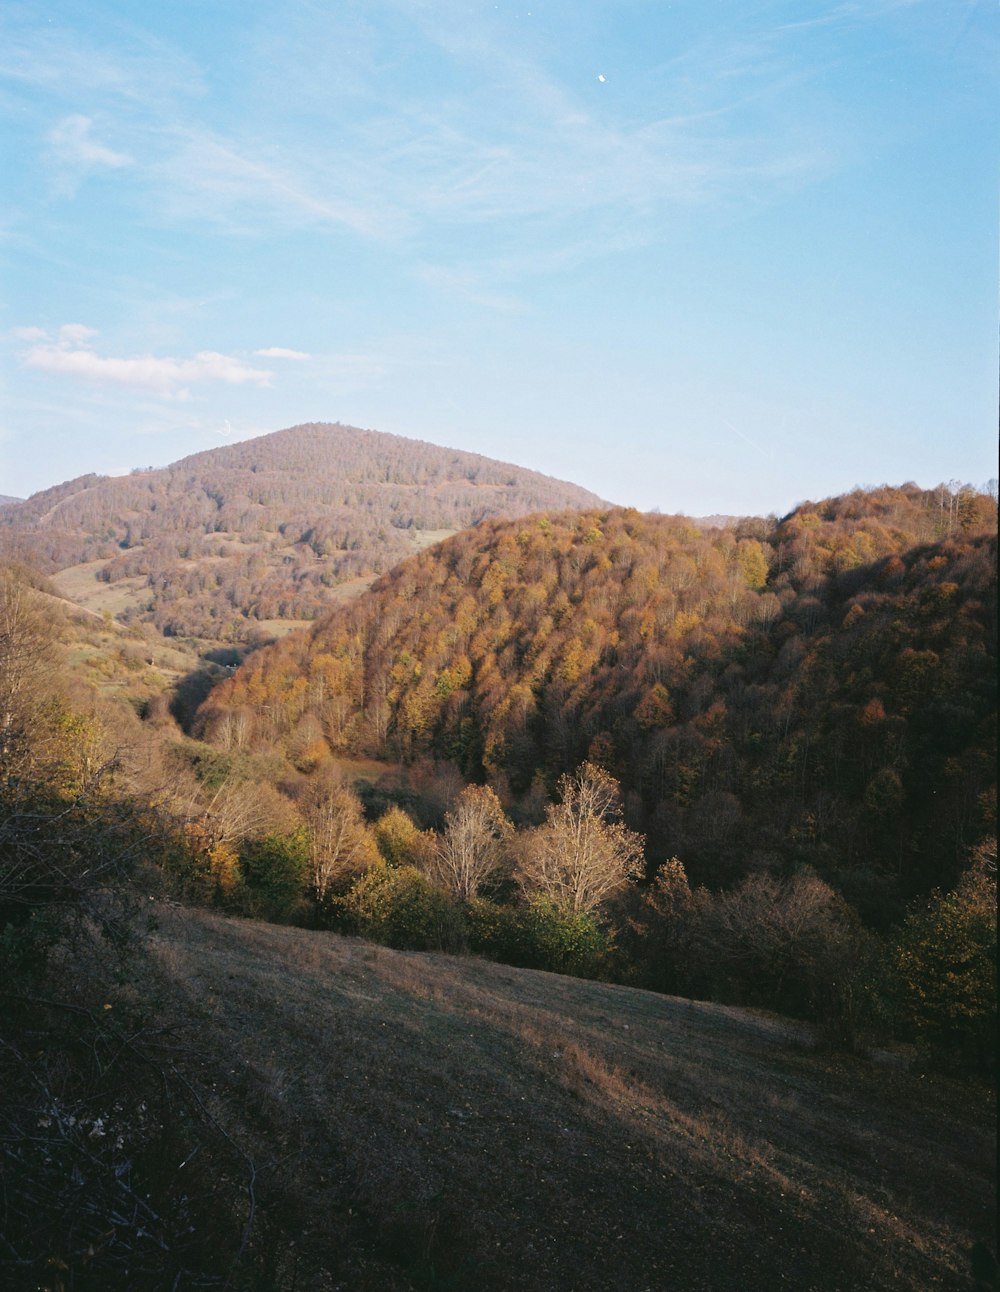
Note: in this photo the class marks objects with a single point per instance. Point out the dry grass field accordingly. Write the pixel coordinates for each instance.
(79, 583)
(426, 1121)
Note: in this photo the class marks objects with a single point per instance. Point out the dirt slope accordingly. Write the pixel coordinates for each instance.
(422, 1121)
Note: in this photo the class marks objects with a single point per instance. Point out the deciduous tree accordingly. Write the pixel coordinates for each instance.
(340, 844)
(475, 845)
(584, 853)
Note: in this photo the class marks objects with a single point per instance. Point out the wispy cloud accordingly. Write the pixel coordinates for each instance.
(68, 63)
(508, 139)
(204, 176)
(279, 352)
(500, 152)
(69, 354)
(73, 144)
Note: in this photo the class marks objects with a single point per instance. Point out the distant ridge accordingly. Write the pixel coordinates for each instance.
(269, 528)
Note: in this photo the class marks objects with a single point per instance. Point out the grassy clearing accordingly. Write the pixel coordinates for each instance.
(280, 627)
(423, 1121)
(79, 583)
(421, 538)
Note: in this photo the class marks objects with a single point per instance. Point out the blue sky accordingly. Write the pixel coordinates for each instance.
(712, 257)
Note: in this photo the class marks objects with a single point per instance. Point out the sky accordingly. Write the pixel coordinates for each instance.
(706, 258)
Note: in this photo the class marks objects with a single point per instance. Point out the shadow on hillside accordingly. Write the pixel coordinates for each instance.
(192, 689)
(214, 665)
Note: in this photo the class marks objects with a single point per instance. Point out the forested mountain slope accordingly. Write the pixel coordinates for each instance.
(819, 690)
(267, 528)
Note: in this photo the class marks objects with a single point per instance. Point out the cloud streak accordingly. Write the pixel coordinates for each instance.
(207, 177)
(509, 139)
(73, 144)
(279, 352)
(69, 355)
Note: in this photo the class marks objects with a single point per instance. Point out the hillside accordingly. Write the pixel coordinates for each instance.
(817, 691)
(420, 1121)
(196, 1101)
(264, 530)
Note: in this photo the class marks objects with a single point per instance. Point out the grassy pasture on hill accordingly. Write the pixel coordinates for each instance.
(80, 583)
(423, 1121)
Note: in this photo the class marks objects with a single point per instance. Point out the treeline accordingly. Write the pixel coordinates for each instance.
(426, 861)
(264, 529)
(815, 691)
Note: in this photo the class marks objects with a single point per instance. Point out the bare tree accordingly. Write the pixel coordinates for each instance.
(26, 634)
(475, 844)
(583, 854)
(340, 843)
(790, 942)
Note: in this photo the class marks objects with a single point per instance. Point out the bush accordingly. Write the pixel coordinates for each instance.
(397, 838)
(500, 933)
(401, 908)
(540, 935)
(566, 941)
(275, 874)
(943, 969)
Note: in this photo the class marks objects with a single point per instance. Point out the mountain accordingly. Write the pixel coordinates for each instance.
(271, 528)
(818, 690)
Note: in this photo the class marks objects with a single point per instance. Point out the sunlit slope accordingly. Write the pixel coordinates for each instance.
(819, 690)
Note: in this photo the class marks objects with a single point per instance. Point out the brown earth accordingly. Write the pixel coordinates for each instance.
(427, 1121)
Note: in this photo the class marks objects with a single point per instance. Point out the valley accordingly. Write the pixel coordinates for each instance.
(586, 900)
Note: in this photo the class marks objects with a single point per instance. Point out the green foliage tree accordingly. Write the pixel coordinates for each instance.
(275, 872)
(944, 967)
(400, 907)
(539, 934)
(565, 941)
(399, 840)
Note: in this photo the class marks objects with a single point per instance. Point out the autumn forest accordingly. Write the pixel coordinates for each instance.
(356, 685)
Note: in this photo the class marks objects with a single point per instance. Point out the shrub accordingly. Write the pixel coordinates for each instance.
(500, 933)
(943, 969)
(275, 874)
(401, 908)
(539, 935)
(566, 941)
(396, 837)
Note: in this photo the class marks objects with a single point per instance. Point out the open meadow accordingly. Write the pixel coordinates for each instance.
(426, 1121)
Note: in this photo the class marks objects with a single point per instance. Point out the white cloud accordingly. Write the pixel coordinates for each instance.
(73, 145)
(71, 333)
(279, 352)
(70, 355)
